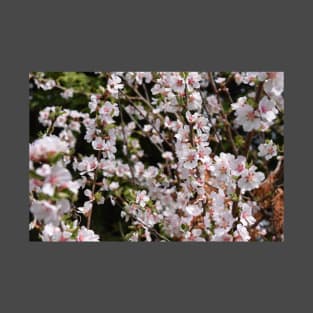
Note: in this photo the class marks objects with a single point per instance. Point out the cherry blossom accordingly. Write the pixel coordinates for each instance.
(274, 87)
(146, 76)
(108, 111)
(177, 83)
(213, 104)
(142, 198)
(114, 85)
(50, 213)
(194, 210)
(248, 118)
(99, 144)
(45, 147)
(238, 165)
(267, 109)
(267, 150)
(180, 156)
(241, 234)
(246, 215)
(190, 158)
(54, 233)
(68, 93)
(250, 179)
(194, 101)
(85, 234)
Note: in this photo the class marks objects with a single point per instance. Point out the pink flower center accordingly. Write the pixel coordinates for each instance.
(179, 83)
(53, 180)
(37, 182)
(250, 177)
(250, 116)
(226, 238)
(240, 167)
(271, 75)
(223, 169)
(200, 124)
(264, 109)
(191, 157)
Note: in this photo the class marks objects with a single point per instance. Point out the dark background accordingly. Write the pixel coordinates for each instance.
(162, 35)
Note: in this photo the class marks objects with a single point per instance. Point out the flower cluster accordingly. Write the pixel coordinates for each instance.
(173, 152)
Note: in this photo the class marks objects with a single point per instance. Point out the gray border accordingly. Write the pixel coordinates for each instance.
(168, 35)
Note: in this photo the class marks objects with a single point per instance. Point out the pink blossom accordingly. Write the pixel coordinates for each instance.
(221, 168)
(108, 111)
(48, 212)
(190, 159)
(114, 85)
(54, 233)
(56, 176)
(213, 106)
(267, 109)
(85, 209)
(241, 103)
(246, 217)
(193, 80)
(47, 146)
(194, 210)
(67, 93)
(241, 234)
(194, 101)
(177, 83)
(248, 118)
(99, 144)
(93, 103)
(142, 198)
(238, 165)
(140, 76)
(267, 150)
(88, 235)
(250, 179)
(87, 164)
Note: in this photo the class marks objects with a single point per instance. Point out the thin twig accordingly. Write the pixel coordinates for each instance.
(161, 150)
(126, 144)
(93, 192)
(248, 143)
(145, 117)
(227, 124)
(151, 229)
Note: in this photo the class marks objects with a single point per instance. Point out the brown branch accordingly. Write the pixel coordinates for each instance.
(146, 118)
(248, 143)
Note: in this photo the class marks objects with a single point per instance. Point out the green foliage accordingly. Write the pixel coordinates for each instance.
(239, 141)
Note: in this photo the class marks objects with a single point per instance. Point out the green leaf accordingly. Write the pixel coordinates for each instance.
(239, 141)
(98, 196)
